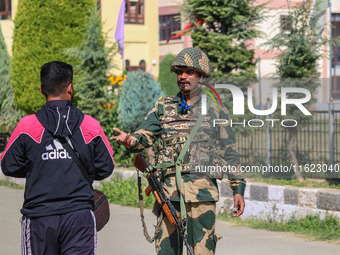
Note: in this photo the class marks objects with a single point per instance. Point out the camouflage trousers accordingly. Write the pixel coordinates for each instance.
(201, 231)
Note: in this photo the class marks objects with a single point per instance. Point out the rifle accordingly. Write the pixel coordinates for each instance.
(156, 188)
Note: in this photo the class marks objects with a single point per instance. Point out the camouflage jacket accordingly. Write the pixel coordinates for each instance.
(212, 146)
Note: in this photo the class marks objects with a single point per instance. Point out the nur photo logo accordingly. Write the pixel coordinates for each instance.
(238, 100)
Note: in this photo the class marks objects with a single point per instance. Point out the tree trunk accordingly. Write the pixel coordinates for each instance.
(291, 145)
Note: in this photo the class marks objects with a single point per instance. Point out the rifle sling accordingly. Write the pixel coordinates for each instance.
(178, 170)
(141, 209)
(179, 161)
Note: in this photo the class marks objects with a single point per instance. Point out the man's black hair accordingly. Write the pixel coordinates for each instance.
(55, 76)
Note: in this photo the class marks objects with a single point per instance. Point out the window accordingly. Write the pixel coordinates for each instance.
(5, 9)
(286, 22)
(142, 65)
(167, 25)
(134, 11)
(130, 68)
(336, 57)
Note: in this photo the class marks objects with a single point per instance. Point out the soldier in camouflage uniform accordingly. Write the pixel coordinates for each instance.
(171, 120)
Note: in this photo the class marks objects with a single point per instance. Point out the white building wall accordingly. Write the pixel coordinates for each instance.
(335, 6)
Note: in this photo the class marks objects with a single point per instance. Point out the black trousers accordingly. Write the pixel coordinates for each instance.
(71, 233)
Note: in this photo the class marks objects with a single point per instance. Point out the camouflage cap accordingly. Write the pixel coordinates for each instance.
(192, 58)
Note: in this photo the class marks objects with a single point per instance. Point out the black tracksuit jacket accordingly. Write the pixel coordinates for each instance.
(54, 183)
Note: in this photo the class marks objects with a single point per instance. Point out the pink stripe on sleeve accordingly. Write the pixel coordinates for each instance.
(90, 129)
(28, 125)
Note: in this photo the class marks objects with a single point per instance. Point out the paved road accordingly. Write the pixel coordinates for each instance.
(123, 234)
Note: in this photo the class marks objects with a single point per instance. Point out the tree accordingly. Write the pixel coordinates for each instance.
(297, 65)
(92, 71)
(4, 69)
(139, 93)
(9, 114)
(92, 95)
(222, 29)
(167, 79)
(43, 29)
(122, 156)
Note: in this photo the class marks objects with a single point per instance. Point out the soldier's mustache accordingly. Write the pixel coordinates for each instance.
(183, 82)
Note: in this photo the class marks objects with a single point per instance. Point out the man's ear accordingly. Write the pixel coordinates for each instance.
(70, 88)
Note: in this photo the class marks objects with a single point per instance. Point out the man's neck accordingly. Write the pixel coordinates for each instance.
(52, 98)
(191, 97)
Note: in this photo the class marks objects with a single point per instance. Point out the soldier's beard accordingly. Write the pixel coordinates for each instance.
(191, 91)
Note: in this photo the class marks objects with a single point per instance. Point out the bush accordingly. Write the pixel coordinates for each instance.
(167, 79)
(94, 60)
(43, 29)
(9, 114)
(310, 226)
(4, 69)
(139, 93)
(125, 192)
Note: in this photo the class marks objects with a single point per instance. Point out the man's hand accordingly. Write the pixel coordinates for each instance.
(238, 205)
(123, 138)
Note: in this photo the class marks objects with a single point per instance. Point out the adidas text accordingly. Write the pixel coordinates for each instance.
(61, 154)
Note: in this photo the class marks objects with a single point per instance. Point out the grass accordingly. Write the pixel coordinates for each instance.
(308, 183)
(311, 226)
(117, 190)
(10, 184)
(125, 192)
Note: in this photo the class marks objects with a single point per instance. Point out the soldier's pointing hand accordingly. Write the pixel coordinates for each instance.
(123, 138)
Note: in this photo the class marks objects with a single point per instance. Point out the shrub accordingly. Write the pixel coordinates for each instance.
(139, 93)
(167, 79)
(43, 29)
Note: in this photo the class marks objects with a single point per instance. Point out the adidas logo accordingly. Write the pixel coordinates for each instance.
(55, 153)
